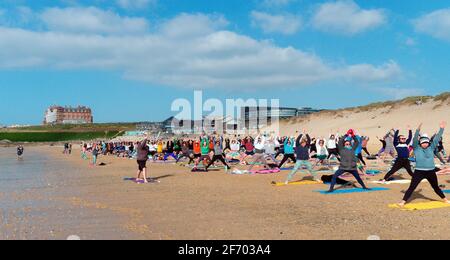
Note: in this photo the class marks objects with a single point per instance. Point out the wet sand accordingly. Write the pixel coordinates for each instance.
(95, 203)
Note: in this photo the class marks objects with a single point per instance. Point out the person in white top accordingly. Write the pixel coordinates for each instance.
(331, 145)
(260, 156)
(270, 149)
(322, 153)
(234, 153)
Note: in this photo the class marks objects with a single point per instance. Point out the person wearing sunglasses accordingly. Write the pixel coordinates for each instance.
(401, 144)
(425, 164)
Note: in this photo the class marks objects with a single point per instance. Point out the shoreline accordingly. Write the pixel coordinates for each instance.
(216, 205)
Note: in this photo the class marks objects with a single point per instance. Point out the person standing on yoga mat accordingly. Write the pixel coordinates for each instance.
(358, 151)
(439, 150)
(142, 157)
(260, 156)
(332, 146)
(322, 153)
(218, 154)
(204, 148)
(185, 152)
(425, 166)
(364, 144)
(302, 148)
(289, 152)
(270, 149)
(349, 161)
(170, 151)
(401, 144)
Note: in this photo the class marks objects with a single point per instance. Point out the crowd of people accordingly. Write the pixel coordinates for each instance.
(414, 152)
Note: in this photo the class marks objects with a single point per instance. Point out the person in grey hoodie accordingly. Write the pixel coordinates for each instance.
(349, 161)
(425, 166)
(218, 154)
(142, 157)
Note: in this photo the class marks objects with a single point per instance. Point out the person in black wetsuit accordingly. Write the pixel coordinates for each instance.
(20, 151)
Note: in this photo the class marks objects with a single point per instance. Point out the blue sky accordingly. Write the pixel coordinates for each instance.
(129, 59)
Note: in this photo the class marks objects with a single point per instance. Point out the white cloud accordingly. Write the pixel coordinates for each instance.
(284, 24)
(436, 24)
(347, 18)
(187, 25)
(368, 72)
(91, 20)
(191, 51)
(135, 4)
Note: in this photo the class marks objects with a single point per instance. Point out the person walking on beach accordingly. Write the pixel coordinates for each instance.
(84, 151)
(349, 160)
(95, 153)
(425, 166)
(20, 151)
(401, 144)
(142, 157)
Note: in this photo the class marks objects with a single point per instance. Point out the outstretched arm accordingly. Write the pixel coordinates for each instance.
(416, 137)
(396, 140)
(438, 137)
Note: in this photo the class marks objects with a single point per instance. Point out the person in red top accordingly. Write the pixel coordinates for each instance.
(197, 149)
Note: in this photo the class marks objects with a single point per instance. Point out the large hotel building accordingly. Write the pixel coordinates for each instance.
(68, 115)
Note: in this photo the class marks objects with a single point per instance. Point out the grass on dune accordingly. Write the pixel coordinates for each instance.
(34, 137)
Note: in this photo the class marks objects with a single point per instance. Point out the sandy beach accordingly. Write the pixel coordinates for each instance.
(96, 203)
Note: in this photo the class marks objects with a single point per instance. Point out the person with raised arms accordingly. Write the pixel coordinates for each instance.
(349, 160)
(204, 148)
(332, 146)
(289, 152)
(218, 153)
(302, 149)
(401, 144)
(425, 166)
(260, 156)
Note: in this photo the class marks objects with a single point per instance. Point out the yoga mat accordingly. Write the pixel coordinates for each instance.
(446, 191)
(265, 171)
(239, 172)
(141, 181)
(373, 172)
(306, 182)
(395, 182)
(354, 190)
(421, 206)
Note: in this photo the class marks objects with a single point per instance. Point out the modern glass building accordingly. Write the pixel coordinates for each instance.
(258, 117)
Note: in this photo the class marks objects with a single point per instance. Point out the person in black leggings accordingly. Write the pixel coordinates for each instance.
(349, 161)
(402, 162)
(425, 166)
(289, 152)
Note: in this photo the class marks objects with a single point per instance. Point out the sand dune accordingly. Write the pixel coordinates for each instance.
(376, 119)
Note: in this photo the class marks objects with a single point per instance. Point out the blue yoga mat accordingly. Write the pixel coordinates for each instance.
(373, 172)
(446, 191)
(355, 190)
